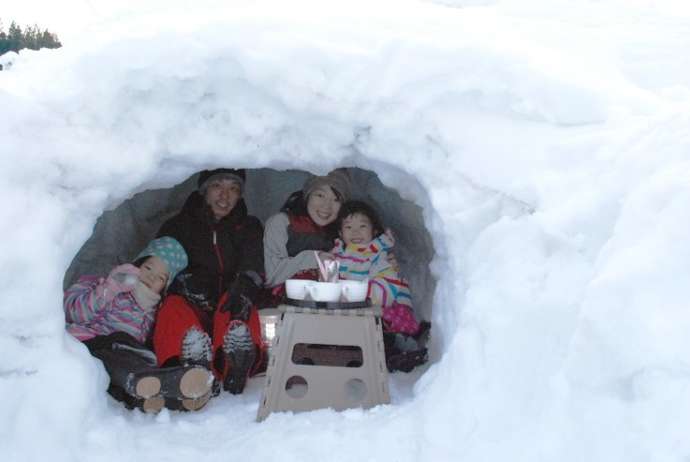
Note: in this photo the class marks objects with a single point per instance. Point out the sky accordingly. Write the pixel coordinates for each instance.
(64, 18)
(69, 18)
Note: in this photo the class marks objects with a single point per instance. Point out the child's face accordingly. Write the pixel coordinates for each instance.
(154, 274)
(357, 229)
(323, 206)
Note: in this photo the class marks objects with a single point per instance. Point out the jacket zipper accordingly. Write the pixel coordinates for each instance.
(220, 264)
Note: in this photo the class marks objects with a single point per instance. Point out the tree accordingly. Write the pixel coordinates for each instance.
(49, 40)
(32, 37)
(15, 37)
(4, 46)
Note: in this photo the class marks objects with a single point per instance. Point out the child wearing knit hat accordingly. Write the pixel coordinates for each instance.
(114, 317)
(124, 301)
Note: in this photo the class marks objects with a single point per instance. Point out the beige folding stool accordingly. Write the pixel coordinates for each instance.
(304, 373)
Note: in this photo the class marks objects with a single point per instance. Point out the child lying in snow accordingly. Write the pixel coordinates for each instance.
(362, 252)
(114, 317)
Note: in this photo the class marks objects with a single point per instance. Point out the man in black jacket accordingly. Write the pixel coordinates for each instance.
(210, 318)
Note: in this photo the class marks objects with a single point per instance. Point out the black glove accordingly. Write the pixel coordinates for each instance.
(242, 293)
(185, 285)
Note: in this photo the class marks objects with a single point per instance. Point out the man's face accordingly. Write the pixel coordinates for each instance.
(222, 196)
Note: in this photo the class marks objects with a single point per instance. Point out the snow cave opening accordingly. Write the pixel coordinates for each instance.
(120, 233)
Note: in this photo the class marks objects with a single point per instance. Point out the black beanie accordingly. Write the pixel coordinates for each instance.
(239, 175)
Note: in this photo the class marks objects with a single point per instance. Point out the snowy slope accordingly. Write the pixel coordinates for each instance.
(559, 334)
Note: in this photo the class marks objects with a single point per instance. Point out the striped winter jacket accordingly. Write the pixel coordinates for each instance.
(88, 314)
(358, 262)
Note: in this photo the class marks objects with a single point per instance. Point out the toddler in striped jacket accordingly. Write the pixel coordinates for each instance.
(362, 252)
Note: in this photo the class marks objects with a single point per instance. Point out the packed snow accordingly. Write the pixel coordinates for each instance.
(548, 143)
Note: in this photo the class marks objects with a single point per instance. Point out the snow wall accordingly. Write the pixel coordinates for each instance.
(559, 334)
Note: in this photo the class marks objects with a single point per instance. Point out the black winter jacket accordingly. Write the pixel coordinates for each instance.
(218, 250)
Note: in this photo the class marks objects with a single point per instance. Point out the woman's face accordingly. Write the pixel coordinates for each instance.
(154, 274)
(323, 206)
(222, 196)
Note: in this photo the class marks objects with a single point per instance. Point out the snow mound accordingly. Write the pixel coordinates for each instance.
(550, 161)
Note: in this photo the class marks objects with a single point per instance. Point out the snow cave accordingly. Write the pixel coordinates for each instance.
(532, 158)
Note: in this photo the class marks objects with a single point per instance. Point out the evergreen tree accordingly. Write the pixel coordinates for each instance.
(4, 46)
(32, 37)
(15, 37)
(49, 40)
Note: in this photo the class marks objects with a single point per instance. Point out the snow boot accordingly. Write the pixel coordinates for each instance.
(196, 348)
(173, 382)
(403, 352)
(240, 353)
(188, 404)
(405, 361)
(194, 404)
(152, 405)
(423, 334)
(147, 387)
(196, 382)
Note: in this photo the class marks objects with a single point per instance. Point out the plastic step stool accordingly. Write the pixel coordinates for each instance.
(325, 358)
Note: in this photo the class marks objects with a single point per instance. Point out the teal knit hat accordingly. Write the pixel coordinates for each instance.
(170, 251)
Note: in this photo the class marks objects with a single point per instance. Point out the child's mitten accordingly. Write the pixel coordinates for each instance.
(122, 278)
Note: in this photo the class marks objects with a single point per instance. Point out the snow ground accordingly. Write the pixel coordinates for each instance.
(560, 334)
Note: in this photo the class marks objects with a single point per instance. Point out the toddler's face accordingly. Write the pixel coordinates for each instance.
(154, 274)
(357, 229)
